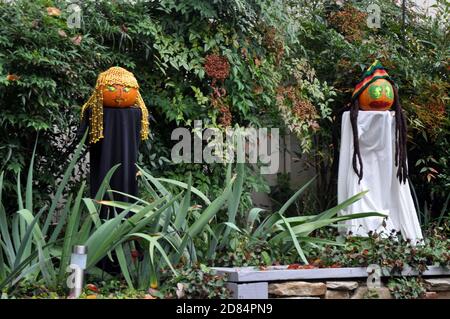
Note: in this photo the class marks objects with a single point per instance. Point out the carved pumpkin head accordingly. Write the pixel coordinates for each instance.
(116, 87)
(117, 95)
(375, 91)
(378, 96)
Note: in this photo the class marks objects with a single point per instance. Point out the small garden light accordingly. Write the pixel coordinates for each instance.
(78, 265)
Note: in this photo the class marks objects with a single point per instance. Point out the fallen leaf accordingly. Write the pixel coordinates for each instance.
(92, 287)
(298, 266)
(308, 267)
(293, 266)
(152, 291)
(91, 297)
(62, 33)
(53, 11)
(147, 296)
(77, 39)
(12, 77)
(317, 262)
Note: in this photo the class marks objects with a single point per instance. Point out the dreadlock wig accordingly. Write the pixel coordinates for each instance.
(112, 76)
(386, 86)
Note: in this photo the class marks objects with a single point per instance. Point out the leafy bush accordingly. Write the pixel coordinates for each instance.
(407, 288)
(45, 74)
(30, 248)
(339, 46)
(166, 45)
(146, 236)
(275, 64)
(195, 282)
(284, 71)
(47, 71)
(389, 251)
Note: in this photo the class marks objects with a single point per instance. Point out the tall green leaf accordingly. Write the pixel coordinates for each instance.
(180, 218)
(71, 232)
(294, 240)
(62, 185)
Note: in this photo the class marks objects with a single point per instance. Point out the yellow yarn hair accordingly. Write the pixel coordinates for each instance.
(119, 76)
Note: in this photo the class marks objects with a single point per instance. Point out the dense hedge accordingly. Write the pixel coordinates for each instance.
(47, 70)
(416, 54)
(288, 68)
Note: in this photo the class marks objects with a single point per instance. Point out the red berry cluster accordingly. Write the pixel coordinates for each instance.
(217, 67)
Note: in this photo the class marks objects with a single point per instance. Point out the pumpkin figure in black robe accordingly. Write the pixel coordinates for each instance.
(117, 119)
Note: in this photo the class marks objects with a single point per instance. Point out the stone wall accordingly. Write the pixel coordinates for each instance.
(437, 288)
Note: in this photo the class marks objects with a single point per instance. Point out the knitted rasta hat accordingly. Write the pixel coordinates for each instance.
(374, 72)
(119, 76)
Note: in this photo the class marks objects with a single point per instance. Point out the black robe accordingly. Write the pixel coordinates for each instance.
(120, 145)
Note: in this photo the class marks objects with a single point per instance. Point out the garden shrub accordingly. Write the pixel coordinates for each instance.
(340, 46)
(390, 251)
(407, 288)
(195, 282)
(229, 63)
(47, 71)
(273, 67)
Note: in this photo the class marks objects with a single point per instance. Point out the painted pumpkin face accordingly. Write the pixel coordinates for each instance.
(378, 96)
(119, 95)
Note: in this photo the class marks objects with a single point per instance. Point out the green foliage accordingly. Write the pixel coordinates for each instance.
(389, 251)
(150, 237)
(407, 288)
(100, 290)
(39, 66)
(224, 235)
(315, 59)
(178, 223)
(47, 71)
(339, 46)
(26, 242)
(32, 248)
(195, 282)
(291, 65)
(248, 251)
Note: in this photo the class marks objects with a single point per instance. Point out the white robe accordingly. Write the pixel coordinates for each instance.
(376, 131)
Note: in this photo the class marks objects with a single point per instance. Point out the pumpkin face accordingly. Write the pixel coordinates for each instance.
(119, 95)
(378, 96)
